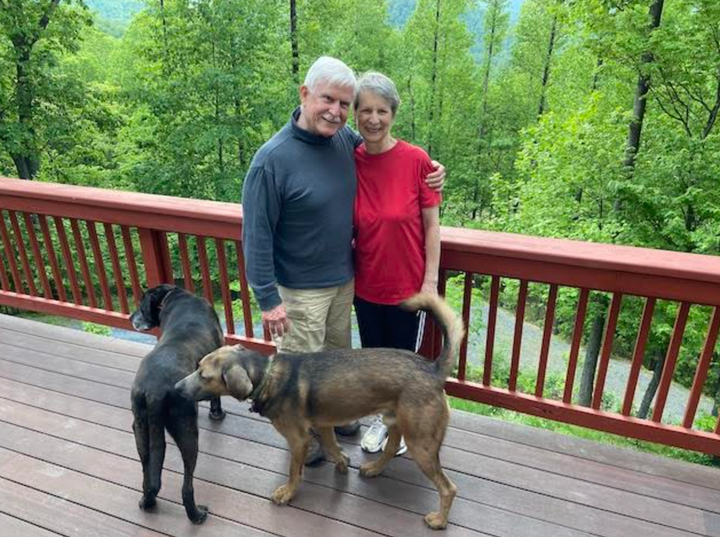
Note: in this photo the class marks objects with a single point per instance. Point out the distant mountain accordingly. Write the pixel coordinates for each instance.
(116, 12)
(400, 11)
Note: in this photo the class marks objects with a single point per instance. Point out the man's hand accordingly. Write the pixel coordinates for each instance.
(436, 179)
(276, 321)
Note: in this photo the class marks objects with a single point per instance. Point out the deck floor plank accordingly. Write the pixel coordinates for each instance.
(65, 437)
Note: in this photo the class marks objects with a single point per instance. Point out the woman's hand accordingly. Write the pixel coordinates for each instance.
(429, 287)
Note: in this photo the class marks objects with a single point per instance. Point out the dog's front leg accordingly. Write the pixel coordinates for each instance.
(298, 441)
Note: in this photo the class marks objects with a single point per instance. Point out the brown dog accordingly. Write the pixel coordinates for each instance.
(324, 389)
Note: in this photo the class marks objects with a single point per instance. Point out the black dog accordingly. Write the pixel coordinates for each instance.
(190, 330)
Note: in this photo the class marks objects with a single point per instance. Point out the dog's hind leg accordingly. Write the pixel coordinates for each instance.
(424, 433)
(429, 463)
(150, 441)
(372, 469)
(333, 450)
(183, 428)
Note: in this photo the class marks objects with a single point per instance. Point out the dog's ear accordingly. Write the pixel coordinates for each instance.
(237, 381)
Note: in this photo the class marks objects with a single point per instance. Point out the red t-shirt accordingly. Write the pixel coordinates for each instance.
(389, 233)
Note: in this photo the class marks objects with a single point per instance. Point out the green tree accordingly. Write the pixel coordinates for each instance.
(33, 98)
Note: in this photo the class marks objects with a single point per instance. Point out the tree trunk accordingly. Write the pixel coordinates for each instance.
(546, 70)
(412, 110)
(641, 91)
(482, 127)
(166, 48)
(27, 163)
(659, 362)
(716, 400)
(294, 43)
(433, 77)
(592, 352)
(596, 75)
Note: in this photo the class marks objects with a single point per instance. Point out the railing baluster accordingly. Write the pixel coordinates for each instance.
(606, 350)
(492, 322)
(575, 345)
(467, 300)
(67, 256)
(131, 264)
(702, 368)
(82, 258)
(99, 265)
(39, 263)
(517, 336)
(23, 253)
(670, 360)
(547, 335)
(244, 291)
(638, 356)
(10, 256)
(185, 261)
(205, 269)
(225, 285)
(50, 248)
(117, 269)
(158, 269)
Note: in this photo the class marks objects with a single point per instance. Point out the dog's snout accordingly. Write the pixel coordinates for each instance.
(139, 323)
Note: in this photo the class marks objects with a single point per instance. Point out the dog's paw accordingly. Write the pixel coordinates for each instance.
(342, 464)
(283, 495)
(435, 521)
(370, 469)
(147, 502)
(217, 416)
(200, 515)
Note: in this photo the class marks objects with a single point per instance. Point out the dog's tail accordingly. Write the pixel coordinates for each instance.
(451, 326)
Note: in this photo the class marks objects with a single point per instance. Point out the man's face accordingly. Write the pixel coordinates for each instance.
(325, 109)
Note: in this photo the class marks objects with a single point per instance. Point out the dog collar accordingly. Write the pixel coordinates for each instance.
(167, 295)
(256, 405)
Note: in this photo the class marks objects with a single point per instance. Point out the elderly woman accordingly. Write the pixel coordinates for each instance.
(397, 230)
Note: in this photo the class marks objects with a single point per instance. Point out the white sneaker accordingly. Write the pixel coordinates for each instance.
(402, 448)
(372, 440)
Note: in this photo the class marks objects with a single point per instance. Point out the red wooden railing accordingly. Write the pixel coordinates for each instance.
(87, 253)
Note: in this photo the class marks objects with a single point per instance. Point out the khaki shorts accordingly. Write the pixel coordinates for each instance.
(319, 318)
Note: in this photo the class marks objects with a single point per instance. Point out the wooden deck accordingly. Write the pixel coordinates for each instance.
(68, 466)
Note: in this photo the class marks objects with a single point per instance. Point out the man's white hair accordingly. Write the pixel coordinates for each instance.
(331, 71)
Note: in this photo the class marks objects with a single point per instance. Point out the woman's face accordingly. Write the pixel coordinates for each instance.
(374, 117)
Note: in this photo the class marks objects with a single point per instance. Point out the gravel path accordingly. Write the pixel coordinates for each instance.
(618, 370)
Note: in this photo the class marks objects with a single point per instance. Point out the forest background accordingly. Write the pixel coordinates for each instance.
(594, 120)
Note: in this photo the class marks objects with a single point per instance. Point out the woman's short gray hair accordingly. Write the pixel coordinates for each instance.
(381, 86)
(331, 71)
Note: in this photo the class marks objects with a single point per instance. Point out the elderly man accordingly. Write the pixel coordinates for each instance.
(298, 200)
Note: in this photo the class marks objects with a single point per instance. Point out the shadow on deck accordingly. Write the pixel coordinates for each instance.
(68, 466)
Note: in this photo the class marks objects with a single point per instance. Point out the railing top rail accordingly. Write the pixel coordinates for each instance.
(221, 212)
(607, 257)
(568, 253)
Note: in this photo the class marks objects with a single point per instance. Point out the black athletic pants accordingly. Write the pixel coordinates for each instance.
(387, 326)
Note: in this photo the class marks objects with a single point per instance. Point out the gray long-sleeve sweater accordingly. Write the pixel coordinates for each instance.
(298, 202)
